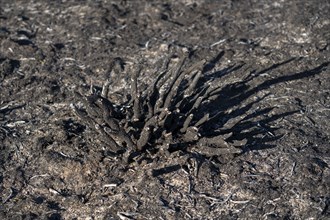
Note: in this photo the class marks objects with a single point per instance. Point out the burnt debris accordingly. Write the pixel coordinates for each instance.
(167, 115)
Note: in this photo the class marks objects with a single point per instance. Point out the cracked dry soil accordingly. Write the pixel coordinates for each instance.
(269, 61)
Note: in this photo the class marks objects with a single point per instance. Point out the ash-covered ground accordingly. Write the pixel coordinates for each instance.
(268, 59)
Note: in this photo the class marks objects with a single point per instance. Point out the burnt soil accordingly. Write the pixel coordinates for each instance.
(271, 59)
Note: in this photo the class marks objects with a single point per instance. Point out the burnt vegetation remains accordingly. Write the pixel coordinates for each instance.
(174, 112)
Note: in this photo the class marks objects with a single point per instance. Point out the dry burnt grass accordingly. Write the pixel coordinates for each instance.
(177, 110)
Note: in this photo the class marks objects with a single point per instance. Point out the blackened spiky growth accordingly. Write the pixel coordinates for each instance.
(168, 113)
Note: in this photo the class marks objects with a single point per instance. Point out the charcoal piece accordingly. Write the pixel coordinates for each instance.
(213, 97)
(187, 103)
(186, 123)
(136, 97)
(152, 95)
(204, 119)
(166, 95)
(144, 138)
(193, 84)
(174, 87)
(163, 116)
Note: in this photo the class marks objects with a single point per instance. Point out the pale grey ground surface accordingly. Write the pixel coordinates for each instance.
(271, 57)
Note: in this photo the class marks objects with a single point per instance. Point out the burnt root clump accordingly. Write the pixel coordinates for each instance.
(169, 114)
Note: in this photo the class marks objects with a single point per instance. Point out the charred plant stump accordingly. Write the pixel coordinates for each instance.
(167, 113)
